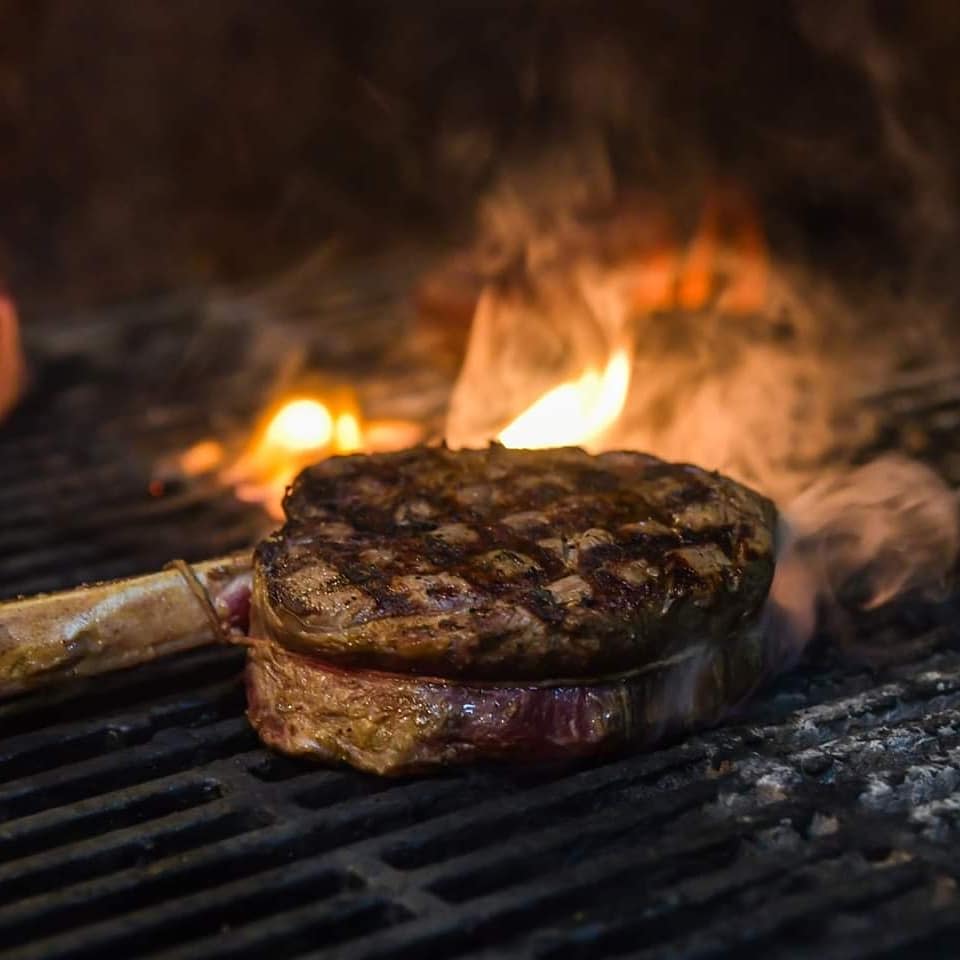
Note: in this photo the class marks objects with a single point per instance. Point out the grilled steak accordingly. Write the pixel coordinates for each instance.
(507, 564)
(431, 606)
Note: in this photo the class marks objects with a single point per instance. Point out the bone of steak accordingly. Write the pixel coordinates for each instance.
(108, 626)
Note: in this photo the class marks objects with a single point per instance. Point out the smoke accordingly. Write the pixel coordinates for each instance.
(855, 540)
(740, 362)
(558, 292)
(769, 400)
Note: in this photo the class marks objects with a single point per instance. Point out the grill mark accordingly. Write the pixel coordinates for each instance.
(541, 602)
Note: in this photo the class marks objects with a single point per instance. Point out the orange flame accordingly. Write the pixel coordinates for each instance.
(577, 412)
(295, 433)
(303, 425)
(729, 241)
(202, 457)
(653, 345)
(291, 435)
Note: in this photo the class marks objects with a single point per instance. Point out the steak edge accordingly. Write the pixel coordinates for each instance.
(395, 725)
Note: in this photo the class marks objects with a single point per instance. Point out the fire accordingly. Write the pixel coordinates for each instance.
(299, 426)
(291, 435)
(295, 433)
(11, 356)
(705, 351)
(729, 240)
(202, 457)
(346, 429)
(576, 413)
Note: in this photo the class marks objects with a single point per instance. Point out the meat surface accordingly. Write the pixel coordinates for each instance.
(395, 724)
(511, 565)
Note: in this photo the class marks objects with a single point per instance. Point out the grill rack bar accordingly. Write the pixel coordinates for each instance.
(655, 800)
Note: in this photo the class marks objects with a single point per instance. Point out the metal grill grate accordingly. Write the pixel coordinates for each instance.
(141, 818)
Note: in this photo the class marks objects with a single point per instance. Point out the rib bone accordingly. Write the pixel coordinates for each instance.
(121, 623)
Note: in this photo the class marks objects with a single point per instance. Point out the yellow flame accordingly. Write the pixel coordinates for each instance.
(348, 433)
(574, 413)
(298, 432)
(299, 426)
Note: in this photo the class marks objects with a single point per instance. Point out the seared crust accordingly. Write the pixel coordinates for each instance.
(390, 724)
(511, 565)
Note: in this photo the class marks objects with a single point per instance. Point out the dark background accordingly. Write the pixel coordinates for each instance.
(149, 145)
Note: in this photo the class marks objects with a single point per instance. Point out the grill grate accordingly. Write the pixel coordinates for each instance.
(139, 816)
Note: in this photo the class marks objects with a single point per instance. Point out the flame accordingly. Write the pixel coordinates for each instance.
(706, 352)
(302, 425)
(563, 315)
(576, 413)
(305, 428)
(291, 435)
(11, 356)
(729, 240)
(346, 429)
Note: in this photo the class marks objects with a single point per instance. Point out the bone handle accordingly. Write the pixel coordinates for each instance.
(108, 626)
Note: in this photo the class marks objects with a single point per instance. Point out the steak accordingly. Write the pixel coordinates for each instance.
(434, 606)
(511, 564)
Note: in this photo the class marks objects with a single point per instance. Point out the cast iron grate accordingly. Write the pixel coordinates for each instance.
(141, 818)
